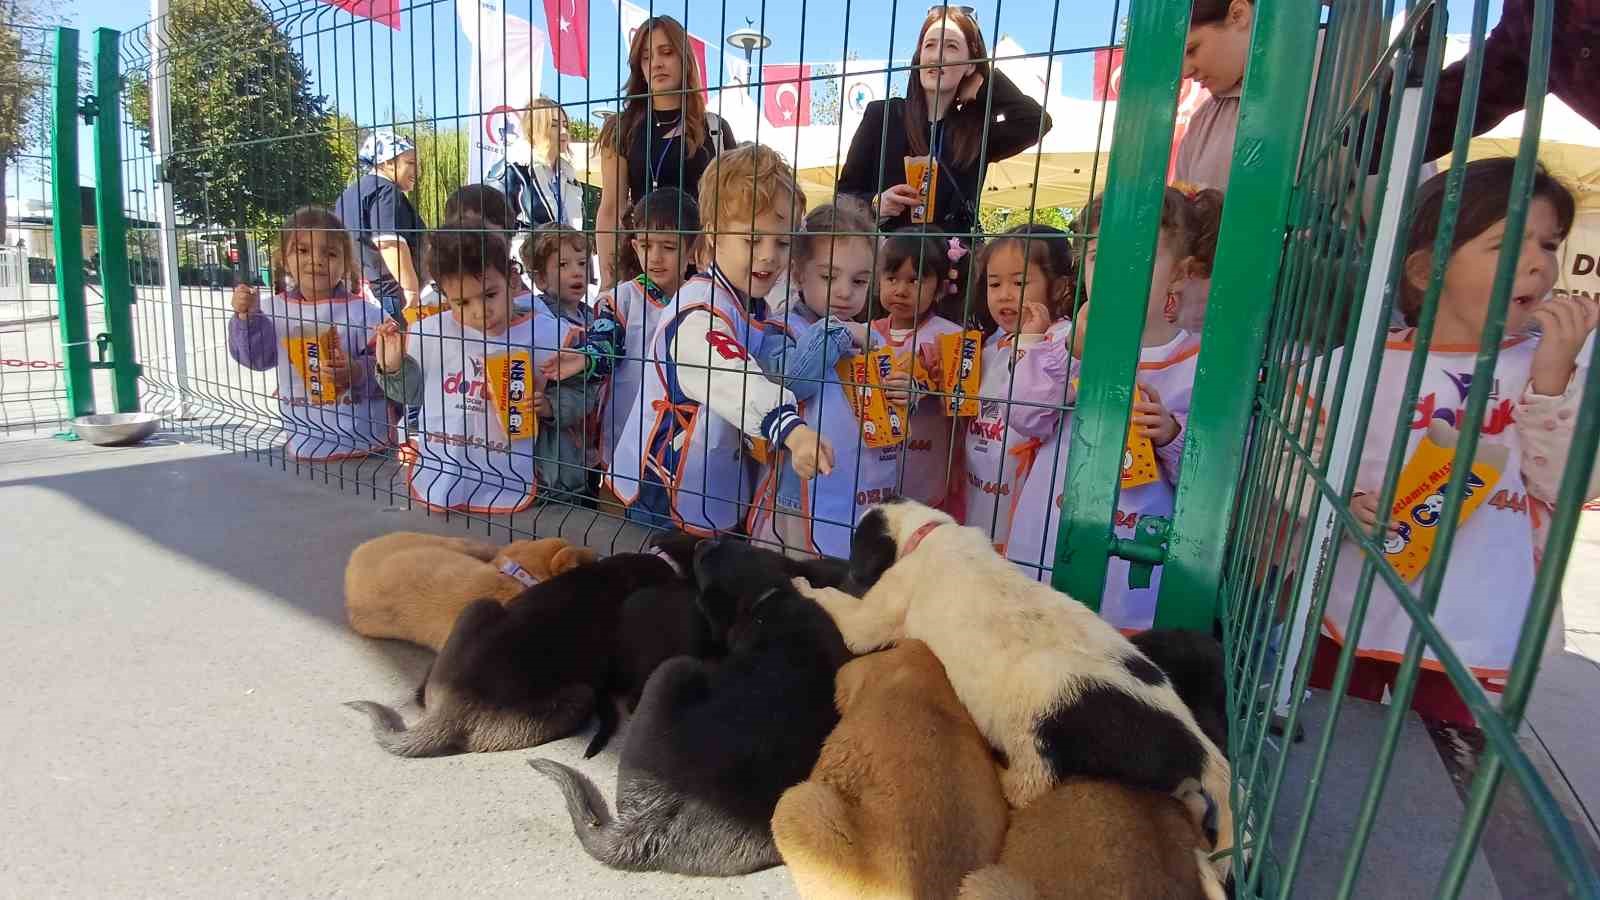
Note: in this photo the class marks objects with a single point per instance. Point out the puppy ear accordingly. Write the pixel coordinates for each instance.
(569, 558)
(873, 550)
(719, 610)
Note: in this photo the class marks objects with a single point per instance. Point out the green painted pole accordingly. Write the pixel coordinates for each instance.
(67, 222)
(1266, 155)
(113, 228)
(1130, 221)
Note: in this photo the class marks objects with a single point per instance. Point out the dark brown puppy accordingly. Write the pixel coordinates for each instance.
(532, 671)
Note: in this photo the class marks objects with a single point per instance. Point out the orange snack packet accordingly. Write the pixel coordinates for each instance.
(307, 355)
(511, 389)
(922, 173)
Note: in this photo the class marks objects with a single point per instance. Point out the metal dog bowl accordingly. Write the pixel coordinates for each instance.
(114, 429)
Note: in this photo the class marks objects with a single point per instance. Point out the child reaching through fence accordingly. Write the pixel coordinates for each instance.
(314, 334)
(1026, 274)
(682, 458)
(1165, 380)
(479, 375)
(833, 270)
(1526, 434)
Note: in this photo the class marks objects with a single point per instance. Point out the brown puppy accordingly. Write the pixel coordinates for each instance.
(1088, 839)
(904, 799)
(412, 586)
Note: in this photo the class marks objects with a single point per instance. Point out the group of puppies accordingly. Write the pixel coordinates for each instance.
(921, 720)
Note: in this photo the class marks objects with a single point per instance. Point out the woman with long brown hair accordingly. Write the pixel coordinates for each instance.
(662, 138)
(958, 111)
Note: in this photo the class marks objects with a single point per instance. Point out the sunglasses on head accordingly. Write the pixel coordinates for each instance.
(951, 10)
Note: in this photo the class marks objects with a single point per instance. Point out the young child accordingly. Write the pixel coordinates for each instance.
(914, 285)
(1161, 407)
(477, 373)
(681, 458)
(1530, 417)
(1027, 276)
(666, 229)
(832, 269)
(556, 257)
(315, 335)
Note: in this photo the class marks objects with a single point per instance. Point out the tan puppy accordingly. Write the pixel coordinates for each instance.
(411, 586)
(1089, 839)
(904, 799)
(1051, 685)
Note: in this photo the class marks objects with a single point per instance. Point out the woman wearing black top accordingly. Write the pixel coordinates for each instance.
(662, 138)
(943, 115)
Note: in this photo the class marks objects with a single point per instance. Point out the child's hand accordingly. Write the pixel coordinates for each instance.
(1566, 323)
(390, 347)
(1035, 318)
(859, 332)
(246, 301)
(932, 364)
(565, 364)
(541, 404)
(1364, 506)
(337, 366)
(809, 452)
(1153, 419)
(897, 388)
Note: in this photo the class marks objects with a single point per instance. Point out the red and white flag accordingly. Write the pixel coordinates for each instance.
(634, 16)
(786, 95)
(1108, 86)
(384, 12)
(568, 21)
(507, 68)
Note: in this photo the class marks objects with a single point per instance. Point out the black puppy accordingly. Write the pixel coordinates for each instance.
(533, 670)
(1193, 662)
(711, 749)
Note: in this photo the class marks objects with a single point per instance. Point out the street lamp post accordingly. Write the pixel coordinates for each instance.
(749, 40)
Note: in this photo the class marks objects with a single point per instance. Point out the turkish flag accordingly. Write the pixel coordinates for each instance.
(1107, 74)
(568, 24)
(633, 16)
(786, 95)
(699, 48)
(384, 12)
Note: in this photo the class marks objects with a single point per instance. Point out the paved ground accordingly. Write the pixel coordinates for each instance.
(177, 657)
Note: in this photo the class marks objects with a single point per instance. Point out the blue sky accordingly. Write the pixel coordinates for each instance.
(377, 75)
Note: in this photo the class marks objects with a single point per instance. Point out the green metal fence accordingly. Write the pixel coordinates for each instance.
(1307, 273)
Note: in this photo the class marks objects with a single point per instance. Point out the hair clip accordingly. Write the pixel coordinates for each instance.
(1188, 189)
(956, 250)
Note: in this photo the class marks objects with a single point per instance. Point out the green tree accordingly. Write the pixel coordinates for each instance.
(25, 72)
(250, 141)
(996, 219)
(442, 156)
(583, 132)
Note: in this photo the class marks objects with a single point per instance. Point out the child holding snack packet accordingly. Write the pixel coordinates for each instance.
(1160, 409)
(1027, 274)
(914, 284)
(314, 335)
(833, 271)
(479, 375)
(686, 457)
(1526, 434)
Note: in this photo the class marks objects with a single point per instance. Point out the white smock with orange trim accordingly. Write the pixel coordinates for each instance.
(930, 434)
(356, 421)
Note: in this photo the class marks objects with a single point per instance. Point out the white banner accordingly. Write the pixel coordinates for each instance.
(507, 71)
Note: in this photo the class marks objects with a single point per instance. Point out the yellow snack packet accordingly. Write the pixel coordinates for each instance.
(1419, 495)
(511, 389)
(922, 173)
(307, 355)
(1138, 457)
(415, 314)
(960, 356)
(882, 424)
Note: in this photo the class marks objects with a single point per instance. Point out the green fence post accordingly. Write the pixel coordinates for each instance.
(1260, 182)
(113, 229)
(67, 223)
(1129, 221)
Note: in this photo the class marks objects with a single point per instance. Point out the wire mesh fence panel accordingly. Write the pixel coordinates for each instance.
(33, 390)
(572, 268)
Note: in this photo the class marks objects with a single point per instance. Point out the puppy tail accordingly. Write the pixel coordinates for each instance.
(597, 831)
(428, 738)
(995, 883)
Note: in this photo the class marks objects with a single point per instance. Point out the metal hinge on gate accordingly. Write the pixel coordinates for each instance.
(89, 107)
(1147, 550)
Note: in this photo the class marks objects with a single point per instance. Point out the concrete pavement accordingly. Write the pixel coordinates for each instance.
(177, 657)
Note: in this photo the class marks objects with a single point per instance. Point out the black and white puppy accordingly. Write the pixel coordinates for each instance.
(532, 671)
(711, 748)
(1052, 686)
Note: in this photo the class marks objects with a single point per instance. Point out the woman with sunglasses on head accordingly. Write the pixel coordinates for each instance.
(663, 138)
(958, 112)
